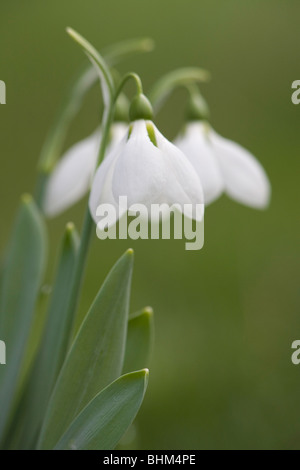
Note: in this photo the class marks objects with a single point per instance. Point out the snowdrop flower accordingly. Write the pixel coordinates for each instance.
(224, 166)
(146, 169)
(72, 176)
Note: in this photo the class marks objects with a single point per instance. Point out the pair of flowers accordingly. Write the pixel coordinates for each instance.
(144, 166)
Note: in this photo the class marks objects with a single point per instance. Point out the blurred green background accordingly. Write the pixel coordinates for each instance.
(225, 317)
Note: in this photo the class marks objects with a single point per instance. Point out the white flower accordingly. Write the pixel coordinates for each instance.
(223, 165)
(146, 169)
(73, 174)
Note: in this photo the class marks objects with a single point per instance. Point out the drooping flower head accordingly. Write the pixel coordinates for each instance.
(73, 174)
(221, 164)
(146, 168)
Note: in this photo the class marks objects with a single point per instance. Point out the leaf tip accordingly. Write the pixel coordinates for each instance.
(73, 34)
(129, 252)
(71, 238)
(146, 377)
(69, 30)
(26, 199)
(148, 44)
(70, 227)
(141, 374)
(148, 311)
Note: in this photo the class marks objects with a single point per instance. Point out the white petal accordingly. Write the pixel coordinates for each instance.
(146, 174)
(72, 175)
(118, 131)
(245, 178)
(184, 185)
(140, 172)
(195, 145)
(101, 191)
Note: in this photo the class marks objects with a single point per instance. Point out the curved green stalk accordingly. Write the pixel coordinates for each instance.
(88, 224)
(109, 99)
(129, 76)
(122, 50)
(97, 59)
(81, 84)
(180, 77)
(79, 269)
(197, 107)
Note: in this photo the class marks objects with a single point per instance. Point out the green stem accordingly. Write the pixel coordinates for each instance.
(125, 79)
(177, 78)
(197, 107)
(108, 119)
(108, 91)
(39, 191)
(79, 269)
(95, 57)
(52, 148)
(88, 224)
(80, 264)
(124, 49)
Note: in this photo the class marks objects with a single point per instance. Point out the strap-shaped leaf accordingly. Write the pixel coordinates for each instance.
(24, 269)
(35, 336)
(97, 354)
(139, 342)
(106, 418)
(54, 343)
(14, 431)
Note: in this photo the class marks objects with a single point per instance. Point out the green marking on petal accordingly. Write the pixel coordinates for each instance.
(151, 133)
(129, 131)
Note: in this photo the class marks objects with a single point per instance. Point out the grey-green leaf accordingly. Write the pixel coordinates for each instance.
(106, 418)
(139, 342)
(97, 355)
(24, 268)
(54, 343)
(36, 332)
